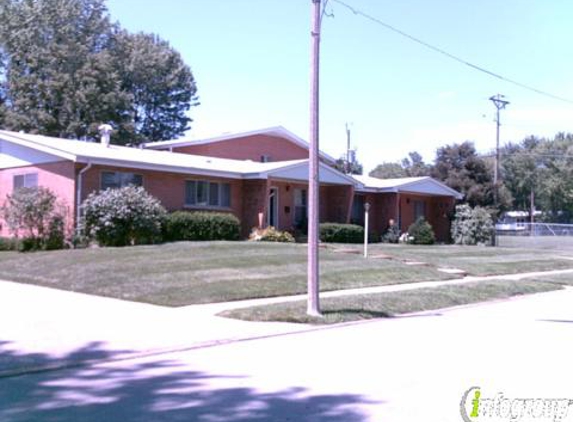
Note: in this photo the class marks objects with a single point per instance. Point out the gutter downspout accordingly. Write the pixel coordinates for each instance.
(79, 183)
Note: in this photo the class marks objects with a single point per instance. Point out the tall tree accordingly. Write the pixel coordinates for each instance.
(161, 86)
(411, 166)
(461, 168)
(388, 171)
(68, 69)
(59, 74)
(415, 166)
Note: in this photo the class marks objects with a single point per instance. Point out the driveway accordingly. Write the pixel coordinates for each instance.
(400, 369)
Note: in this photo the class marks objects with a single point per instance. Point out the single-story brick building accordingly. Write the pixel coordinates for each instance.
(254, 175)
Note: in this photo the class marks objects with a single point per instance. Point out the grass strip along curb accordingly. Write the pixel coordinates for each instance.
(384, 305)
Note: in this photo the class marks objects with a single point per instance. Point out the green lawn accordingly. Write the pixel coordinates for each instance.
(383, 305)
(185, 273)
(479, 261)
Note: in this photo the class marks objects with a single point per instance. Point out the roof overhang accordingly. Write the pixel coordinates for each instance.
(424, 186)
(300, 172)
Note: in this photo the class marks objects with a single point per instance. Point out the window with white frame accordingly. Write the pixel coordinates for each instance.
(202, 193)
(28, 180)
(119, 179)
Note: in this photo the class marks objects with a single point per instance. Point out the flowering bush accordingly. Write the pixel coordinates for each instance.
(124, 216)
(35, 215)
(472, 226)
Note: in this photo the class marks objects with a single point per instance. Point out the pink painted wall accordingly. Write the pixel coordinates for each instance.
(59, 177)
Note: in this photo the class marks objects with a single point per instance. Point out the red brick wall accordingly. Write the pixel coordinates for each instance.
(382, 209)
(437, 213)
(59, 177)
(255, 201)
(335, 203)
(249, 148)
(169, 188)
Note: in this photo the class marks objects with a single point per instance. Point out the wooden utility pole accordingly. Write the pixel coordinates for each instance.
(499, 105)
(347, 167)
(313, 305)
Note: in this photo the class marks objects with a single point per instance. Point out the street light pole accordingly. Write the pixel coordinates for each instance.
(313, 305)
(366, 219)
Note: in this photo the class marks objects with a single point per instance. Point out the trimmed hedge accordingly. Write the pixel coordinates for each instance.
(9, 244)
(341, 233)
(199, 225)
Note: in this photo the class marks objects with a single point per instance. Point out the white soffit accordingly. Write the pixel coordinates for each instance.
(300, 172)
(13, 155)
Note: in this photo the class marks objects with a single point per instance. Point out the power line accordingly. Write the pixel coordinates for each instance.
(450, 55)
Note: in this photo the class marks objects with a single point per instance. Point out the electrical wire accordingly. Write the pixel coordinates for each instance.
(451, 56)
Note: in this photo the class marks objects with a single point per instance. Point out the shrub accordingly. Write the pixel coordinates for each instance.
(185, 225)
(472, 226)
(421, 233)
(35, 215)
(392, 235)
(341, 233)
(270, 234)
(9, 244)
(124, 216)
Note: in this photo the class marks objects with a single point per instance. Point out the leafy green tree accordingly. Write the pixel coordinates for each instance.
(389, 171)
(415, 166)
(460, 167)
(411, 166)
(68, 69)
(59, 73)
(160, 85)
(544, 167)
(353, 167)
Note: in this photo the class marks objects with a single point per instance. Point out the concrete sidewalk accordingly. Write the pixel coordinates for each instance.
(39, 324)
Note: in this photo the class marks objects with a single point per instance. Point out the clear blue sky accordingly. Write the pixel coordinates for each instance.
(251, 62)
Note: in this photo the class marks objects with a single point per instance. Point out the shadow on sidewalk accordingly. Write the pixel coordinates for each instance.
(153, 390)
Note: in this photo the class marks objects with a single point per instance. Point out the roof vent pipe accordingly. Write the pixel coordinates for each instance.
(105, 131)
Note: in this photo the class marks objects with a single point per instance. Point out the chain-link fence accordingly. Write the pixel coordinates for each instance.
(536, 235)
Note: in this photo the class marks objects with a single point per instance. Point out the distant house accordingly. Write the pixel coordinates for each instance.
(256, 175)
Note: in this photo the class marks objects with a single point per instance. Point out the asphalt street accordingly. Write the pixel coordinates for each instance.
(401, 369)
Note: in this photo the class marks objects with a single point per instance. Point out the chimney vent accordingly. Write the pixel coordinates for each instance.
(105, 132)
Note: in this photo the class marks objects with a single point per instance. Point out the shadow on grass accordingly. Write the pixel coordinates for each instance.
(152, 390)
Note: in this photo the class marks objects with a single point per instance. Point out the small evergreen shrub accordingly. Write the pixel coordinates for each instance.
(121, 217)
(270, 234)
(9, 244)
(341, 233)
(392, 235)
(421, 233)
(472, 226)
(188, 225)
(36, 217)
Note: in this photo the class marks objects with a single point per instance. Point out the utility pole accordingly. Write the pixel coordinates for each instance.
(313, 305)
(500, 104)
(347, 167)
